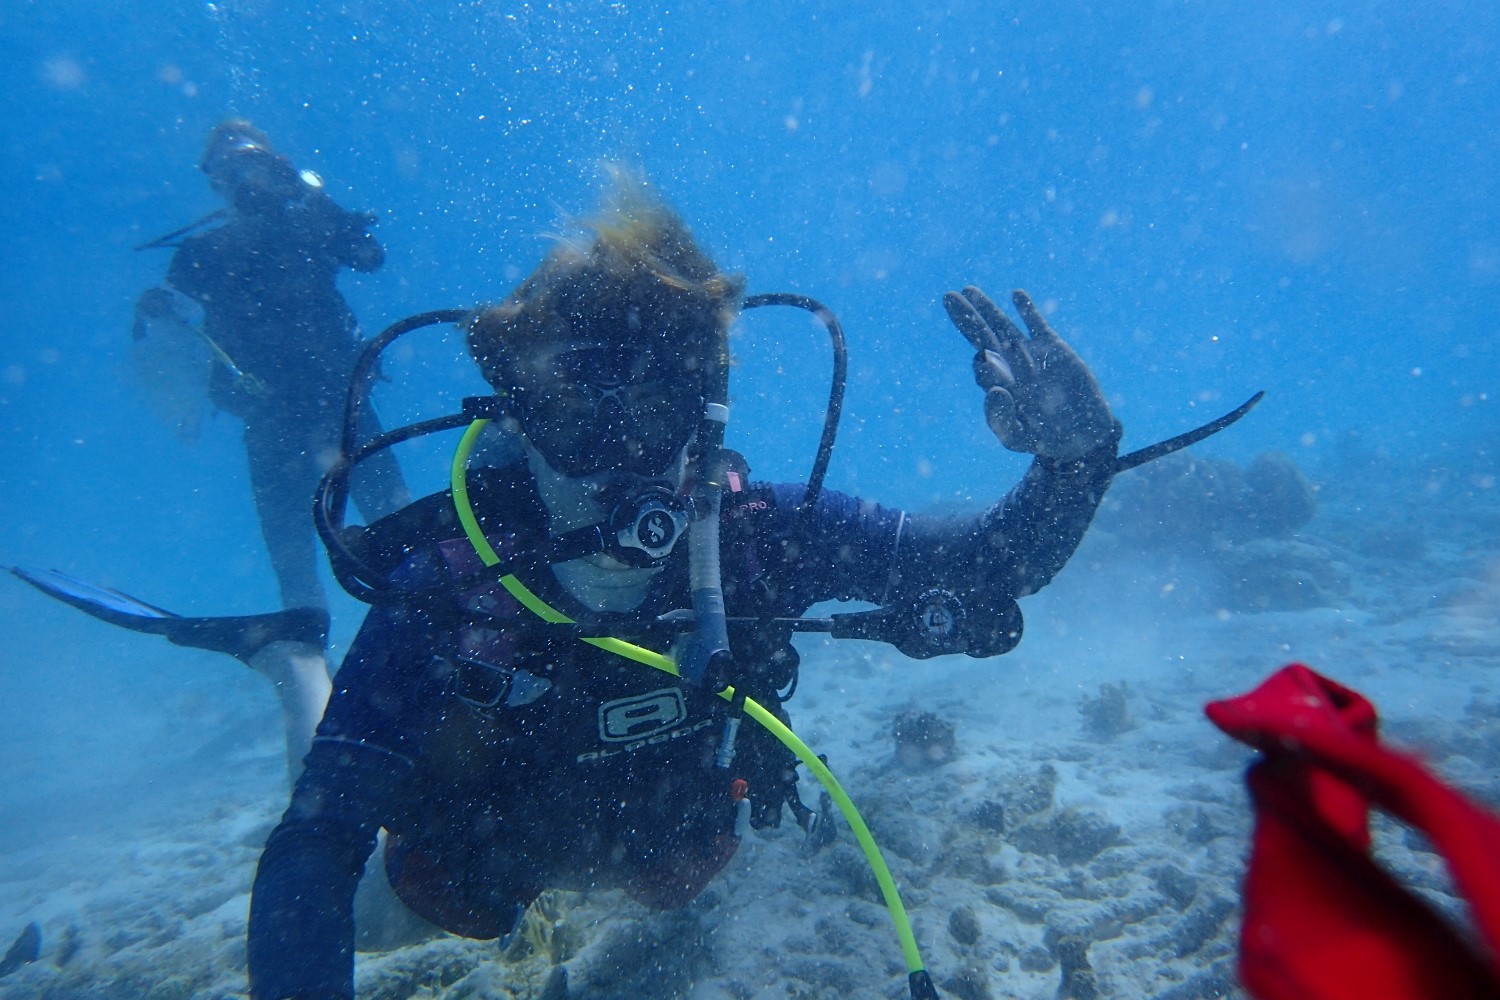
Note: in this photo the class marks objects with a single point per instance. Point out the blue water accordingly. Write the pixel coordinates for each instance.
(1209, 199)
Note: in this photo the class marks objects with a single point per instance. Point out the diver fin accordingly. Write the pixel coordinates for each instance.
(241, 636)
(101, 602)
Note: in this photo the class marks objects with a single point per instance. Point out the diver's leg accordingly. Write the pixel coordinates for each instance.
(299, 673)
(377, 485)
(283, 476)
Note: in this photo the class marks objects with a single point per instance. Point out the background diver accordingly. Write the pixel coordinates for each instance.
(251, 307)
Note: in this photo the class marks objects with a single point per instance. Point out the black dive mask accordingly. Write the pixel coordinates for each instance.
(604, 409)
(254, 178)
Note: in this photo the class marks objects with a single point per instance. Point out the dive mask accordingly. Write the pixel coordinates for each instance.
(596, 408)
(253, 175)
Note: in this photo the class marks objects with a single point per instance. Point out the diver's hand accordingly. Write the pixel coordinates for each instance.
(156, 304)
(1039, 398)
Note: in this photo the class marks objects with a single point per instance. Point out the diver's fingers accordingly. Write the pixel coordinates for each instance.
(1032, 316)
(1000, 414)
(1010, 342)
(992, 315)
(969, 322)
(991, 372)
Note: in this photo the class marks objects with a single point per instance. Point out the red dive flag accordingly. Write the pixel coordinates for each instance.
(1322, 920)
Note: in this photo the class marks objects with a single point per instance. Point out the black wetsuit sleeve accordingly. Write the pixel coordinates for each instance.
(301, 935)
(1017, 546)
(846, 548)
(301, 940)
(343, 235)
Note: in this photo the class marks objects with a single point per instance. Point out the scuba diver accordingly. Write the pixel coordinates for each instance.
(280, 338)
(573, 669)
(498, 714)
(251, 306)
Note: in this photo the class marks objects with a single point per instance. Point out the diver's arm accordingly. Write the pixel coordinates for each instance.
(343, 235)
(1017, 546)
(301, 935)
(847, 548)
(193, 270)
(1040, 399)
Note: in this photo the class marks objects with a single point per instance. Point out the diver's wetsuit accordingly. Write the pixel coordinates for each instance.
(267, 284)
(505, 759)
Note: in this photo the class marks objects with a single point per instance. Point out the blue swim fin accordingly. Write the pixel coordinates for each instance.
(241, 636)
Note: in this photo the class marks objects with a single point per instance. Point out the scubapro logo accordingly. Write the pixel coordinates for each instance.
(655, 529)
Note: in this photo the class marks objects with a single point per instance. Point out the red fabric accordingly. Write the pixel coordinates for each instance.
(683, 874)
(459, 904)
(1322, 920)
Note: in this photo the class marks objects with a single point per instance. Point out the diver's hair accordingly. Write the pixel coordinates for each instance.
(227, 131)
(637, 268)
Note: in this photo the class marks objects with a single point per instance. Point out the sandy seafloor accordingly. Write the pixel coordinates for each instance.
(1393, 589)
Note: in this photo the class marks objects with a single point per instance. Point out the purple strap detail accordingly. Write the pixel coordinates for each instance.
(463, 561)
(489, 597)
(478, 643)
